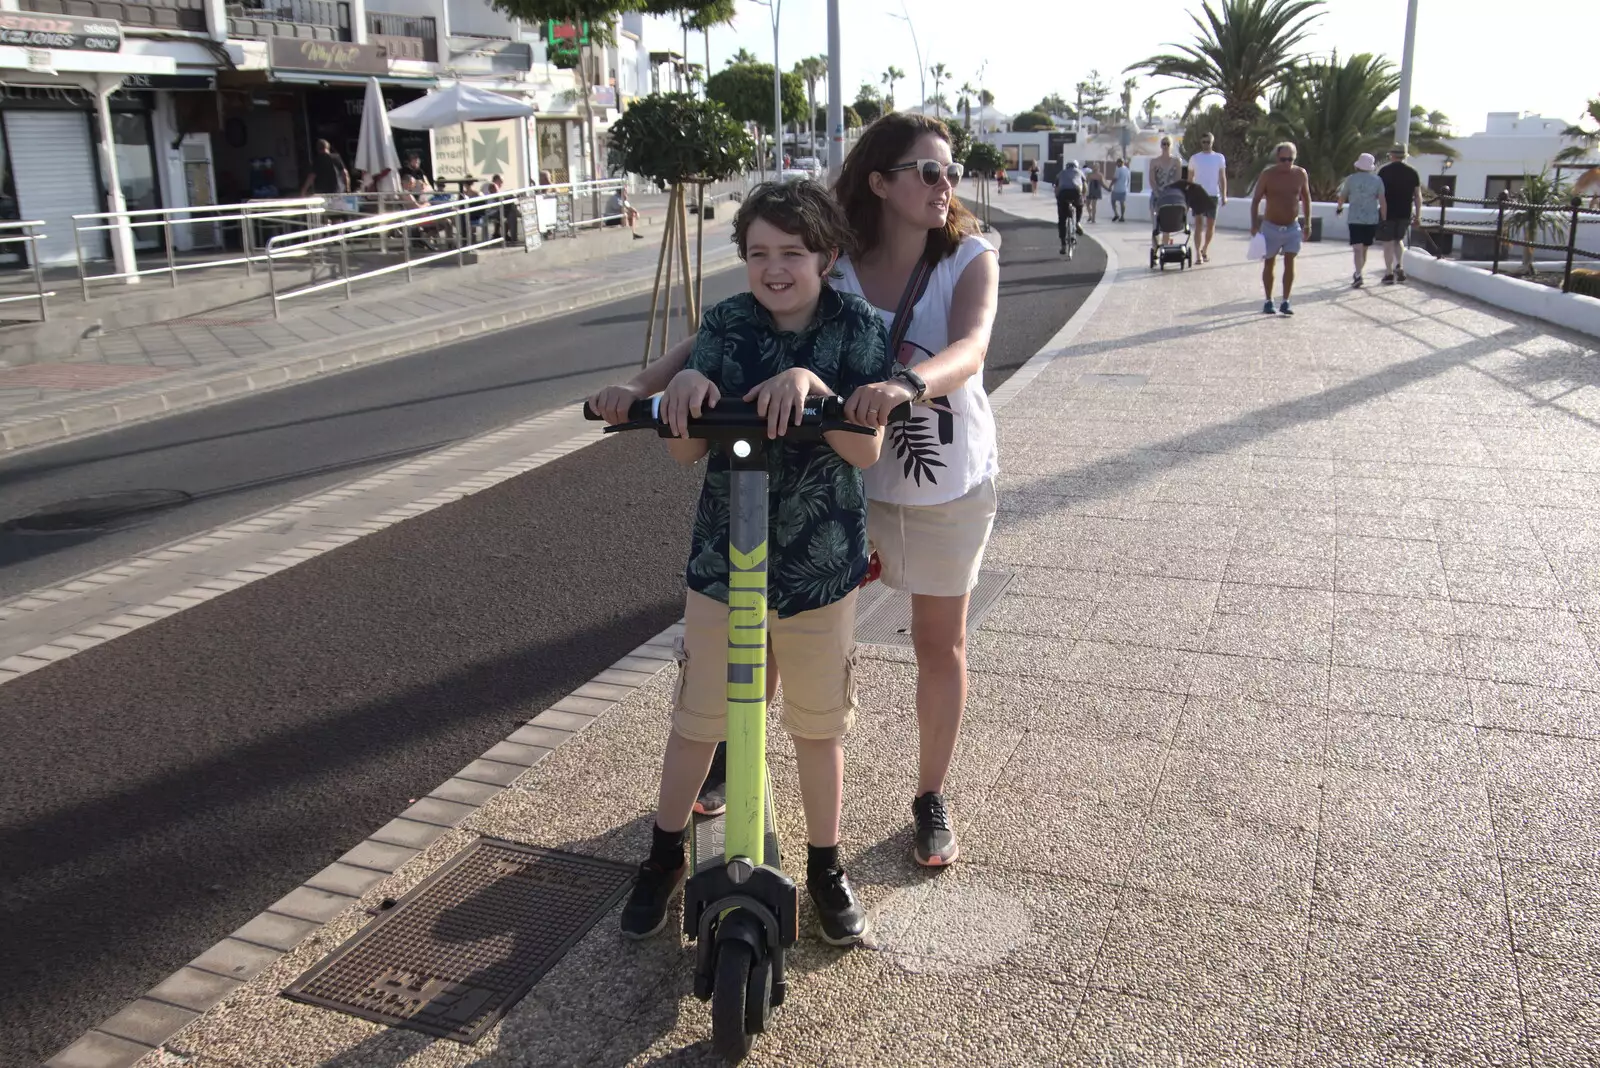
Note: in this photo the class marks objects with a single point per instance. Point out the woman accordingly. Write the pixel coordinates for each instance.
(932, 503)
(1097, 190)
(1033, 176)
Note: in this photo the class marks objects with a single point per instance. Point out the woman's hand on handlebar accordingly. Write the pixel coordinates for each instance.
(871, 404)
(687, 396)
(613, 402)
(782, 398)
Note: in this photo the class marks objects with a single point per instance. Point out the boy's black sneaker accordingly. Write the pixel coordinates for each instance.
(844, 921)
(713, 799)
(645, 914)
(936, 841)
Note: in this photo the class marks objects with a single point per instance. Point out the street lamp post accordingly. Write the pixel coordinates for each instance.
(776, 7)
(922, 73)
(835, 95)
(1402, 121)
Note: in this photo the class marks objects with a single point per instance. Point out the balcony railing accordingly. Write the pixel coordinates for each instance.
(406, 36)
(316, 20)
(161, 14)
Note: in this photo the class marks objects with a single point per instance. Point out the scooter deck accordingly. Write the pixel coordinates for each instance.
(707, 844)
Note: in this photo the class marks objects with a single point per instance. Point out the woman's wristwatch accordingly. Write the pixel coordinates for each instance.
(919, 388)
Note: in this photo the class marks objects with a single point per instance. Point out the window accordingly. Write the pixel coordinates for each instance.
(1030, 156)
(1496, 182)
(1010, 152)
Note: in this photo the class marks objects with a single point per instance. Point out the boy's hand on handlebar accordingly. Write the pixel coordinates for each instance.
(781, 399)
(613, 402)
(871, 404)
(686, 397)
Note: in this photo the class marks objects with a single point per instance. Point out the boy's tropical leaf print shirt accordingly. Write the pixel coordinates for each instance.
(816, 501)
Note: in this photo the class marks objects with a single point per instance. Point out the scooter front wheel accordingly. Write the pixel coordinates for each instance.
(731, 1034)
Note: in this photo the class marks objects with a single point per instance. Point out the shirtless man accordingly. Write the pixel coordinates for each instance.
(1286, 190)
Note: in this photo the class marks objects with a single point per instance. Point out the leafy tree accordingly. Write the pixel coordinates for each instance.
(745, 90)
(940, 73)
(852, 118)
(741, 57)
(1238, 54)
(1054, 104)
(1150, 106)
(1128, 86)
(668, 137)
(1209, 121)
(867, 109)
(812, 70)
(1333, 111)
(890, 76)
(960, 143)
(986, 98)
(985, 159)
(1092, 91)
(939, 105)
(1588, 140)
(1029, 121)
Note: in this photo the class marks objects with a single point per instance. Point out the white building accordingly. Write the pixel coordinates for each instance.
(1510, 145)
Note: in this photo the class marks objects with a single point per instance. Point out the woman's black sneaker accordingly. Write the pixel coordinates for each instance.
(645, 914)
(844, 921)
(713, 799)
(936, 841)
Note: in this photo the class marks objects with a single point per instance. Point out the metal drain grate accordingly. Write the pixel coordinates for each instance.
(883, 616)
(469, 941)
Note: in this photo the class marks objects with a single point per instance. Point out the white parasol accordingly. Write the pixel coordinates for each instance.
(376, 158)
(457, 104)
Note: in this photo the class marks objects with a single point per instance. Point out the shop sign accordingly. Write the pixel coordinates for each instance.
(480, 149)
(605, 96)
(152, 82)
(331, 57)
(27, 29)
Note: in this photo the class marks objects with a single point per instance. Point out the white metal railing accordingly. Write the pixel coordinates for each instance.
(302, 211)
(29, 238)
(444, 229)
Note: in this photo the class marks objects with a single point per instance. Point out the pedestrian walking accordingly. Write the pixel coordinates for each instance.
(1402, 194)
(1069, 199)
(1208, 169)
(1363, 191)
(929, 511)
(1033, 177)
(1121, 181)
(1163, 170)
(328, 176)
(1097, 186)
(1285, 189)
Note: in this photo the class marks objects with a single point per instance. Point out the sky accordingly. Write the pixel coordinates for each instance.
(1465, 67)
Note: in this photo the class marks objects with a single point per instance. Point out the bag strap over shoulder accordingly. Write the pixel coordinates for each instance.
(916, 285)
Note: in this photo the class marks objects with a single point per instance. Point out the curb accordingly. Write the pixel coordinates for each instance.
(150, 1021)
(202, 388)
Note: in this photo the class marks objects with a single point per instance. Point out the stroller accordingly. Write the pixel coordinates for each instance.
(1172, 217)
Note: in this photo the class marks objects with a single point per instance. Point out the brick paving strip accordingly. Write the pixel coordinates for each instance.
(1281, 746)
(146, 372)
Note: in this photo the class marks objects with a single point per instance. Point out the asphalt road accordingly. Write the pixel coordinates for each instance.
(165, 787)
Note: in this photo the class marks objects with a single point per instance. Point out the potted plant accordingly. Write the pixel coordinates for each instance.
(679, 141)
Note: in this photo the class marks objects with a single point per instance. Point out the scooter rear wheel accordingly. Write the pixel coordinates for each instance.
(730, 1032)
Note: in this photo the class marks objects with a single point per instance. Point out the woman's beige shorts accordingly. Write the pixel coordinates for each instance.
(934, 549)
(815, 652)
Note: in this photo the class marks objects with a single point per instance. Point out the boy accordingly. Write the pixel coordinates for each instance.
(790, 336)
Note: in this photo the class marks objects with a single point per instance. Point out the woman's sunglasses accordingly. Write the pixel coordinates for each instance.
(931, 170)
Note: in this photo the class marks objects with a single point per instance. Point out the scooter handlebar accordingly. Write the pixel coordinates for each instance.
(822, 414)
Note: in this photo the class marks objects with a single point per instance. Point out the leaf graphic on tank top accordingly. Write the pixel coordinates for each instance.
(916, 446)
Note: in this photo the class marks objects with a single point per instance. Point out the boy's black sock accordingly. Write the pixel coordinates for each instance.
(666, 847)
(820, 859)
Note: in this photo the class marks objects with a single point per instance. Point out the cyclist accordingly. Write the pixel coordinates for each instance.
(1069, 201)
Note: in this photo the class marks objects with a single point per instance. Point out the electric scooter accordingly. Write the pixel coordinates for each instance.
(738, 905)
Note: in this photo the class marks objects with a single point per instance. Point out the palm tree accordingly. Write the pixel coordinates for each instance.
(812, 70)
(965, 103)
(940, 73)
(1128, 86)
(1537, 215)
(1333, 111)
(1238, 54)
(890, 76)
(744, 55)
(1588, 140)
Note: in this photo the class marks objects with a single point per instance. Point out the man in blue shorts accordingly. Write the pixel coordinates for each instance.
(1285, 189)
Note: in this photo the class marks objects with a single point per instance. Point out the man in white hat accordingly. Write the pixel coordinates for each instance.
(1363, 191)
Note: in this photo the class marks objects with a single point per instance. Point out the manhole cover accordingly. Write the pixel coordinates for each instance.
(469, 941)
(1117, 381)
(885, 619)
(86, 513)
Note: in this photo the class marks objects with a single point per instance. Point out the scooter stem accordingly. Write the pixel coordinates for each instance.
(747, 651)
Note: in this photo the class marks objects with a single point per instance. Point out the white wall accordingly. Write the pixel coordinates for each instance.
(1510, 144)
(474, 18)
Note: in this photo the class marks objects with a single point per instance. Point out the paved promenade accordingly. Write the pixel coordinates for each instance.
(1283, 745)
